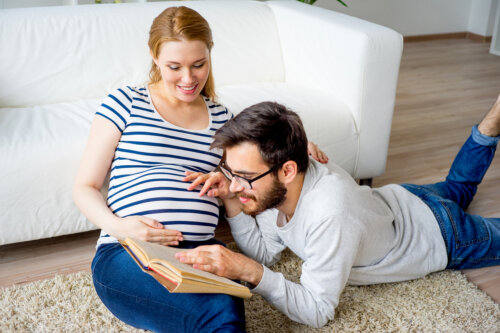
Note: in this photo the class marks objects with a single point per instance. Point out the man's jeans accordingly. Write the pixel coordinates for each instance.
(471, 240)
(140, 301)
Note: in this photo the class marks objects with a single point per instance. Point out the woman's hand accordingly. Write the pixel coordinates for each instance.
(316, 153)
(147, 229)
(215, 184)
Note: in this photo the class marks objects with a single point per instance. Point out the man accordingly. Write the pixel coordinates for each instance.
(276, 197)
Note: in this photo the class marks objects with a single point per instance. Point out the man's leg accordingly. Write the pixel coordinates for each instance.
(490, 125)
(472, 161)
(471, 240)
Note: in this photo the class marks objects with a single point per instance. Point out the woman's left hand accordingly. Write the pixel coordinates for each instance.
(215, 184)
(316, 153)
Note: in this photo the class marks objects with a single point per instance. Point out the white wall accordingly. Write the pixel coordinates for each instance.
(33, 3)
(422, 17)
(42, 3)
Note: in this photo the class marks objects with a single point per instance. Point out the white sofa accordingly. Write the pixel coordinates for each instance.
(57, 63)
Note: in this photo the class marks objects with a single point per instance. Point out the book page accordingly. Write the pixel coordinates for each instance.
(165, 256)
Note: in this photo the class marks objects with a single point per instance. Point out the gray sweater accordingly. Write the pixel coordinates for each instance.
(344, 233)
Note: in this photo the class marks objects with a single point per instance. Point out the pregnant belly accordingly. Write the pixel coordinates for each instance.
(172, 205)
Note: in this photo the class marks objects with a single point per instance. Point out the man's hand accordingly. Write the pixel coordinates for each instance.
(221, 261)
(215, 184)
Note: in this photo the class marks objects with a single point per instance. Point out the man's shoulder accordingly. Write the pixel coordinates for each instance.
(329, 194)
(322, 184)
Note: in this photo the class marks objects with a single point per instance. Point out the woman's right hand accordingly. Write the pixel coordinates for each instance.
(148, 229)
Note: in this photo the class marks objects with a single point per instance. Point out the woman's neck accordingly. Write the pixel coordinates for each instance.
(158, 90)
(189, 115)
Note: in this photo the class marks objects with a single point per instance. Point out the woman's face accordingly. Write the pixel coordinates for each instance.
(184, 67)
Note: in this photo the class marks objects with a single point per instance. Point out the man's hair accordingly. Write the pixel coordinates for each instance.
(277, 131)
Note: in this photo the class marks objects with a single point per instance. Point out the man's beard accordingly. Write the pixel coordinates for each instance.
(275, 197)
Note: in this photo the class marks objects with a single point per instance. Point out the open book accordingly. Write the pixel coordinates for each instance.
(159, 261)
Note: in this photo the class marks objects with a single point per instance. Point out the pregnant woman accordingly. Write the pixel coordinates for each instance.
(149, 137)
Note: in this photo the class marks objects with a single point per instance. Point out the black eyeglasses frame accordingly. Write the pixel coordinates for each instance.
(229, 175)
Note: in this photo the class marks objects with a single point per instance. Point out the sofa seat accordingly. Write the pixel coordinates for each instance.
(41, 147)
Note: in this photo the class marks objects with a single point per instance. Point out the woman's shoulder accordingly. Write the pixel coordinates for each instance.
(120, 102)
(130, 92)
(217, 109)
(140, 90)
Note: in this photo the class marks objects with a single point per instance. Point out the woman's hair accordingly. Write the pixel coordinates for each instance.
(277, 131)
(175, 24)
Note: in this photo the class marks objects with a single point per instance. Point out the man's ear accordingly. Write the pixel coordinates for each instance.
(288, 172)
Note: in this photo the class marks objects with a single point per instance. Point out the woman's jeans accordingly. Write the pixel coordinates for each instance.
(139, 300)
(471, 240)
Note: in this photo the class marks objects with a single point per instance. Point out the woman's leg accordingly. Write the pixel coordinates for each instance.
(140, 301)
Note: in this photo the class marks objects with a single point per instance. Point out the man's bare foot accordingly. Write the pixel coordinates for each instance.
(490, 125)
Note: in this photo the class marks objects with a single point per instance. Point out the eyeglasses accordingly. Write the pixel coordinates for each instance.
(245, 182)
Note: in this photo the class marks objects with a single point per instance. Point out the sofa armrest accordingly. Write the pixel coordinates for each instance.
(354, 60)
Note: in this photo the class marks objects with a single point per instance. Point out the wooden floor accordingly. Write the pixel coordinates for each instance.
(444, 88)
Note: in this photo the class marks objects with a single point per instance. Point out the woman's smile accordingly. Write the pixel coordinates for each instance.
(188, 90)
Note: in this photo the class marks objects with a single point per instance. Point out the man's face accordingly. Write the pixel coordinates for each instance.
(267, 192)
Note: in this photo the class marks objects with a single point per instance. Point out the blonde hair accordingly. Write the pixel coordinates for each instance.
(175, 24)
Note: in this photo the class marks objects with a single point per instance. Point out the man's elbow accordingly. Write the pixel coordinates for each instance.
(321, 318)
(320, 322)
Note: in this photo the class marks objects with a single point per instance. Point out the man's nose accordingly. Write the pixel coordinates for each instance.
(235, 186)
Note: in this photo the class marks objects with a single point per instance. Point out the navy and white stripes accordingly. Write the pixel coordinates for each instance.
(151, 159)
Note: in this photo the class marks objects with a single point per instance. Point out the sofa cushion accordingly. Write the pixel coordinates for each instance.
(327, 120)
(41, 149)
(105, 47)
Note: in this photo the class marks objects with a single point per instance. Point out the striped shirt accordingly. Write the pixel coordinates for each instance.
(151, 159)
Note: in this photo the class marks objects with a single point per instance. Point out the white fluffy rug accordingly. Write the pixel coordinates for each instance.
(441, 302)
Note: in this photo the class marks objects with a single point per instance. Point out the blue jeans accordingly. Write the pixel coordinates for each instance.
(139, 300)
(472, 241)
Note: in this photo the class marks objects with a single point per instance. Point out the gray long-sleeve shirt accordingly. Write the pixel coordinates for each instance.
(344, 233)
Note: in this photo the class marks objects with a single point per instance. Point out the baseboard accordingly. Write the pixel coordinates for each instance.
(453, 35)
(479, 38)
